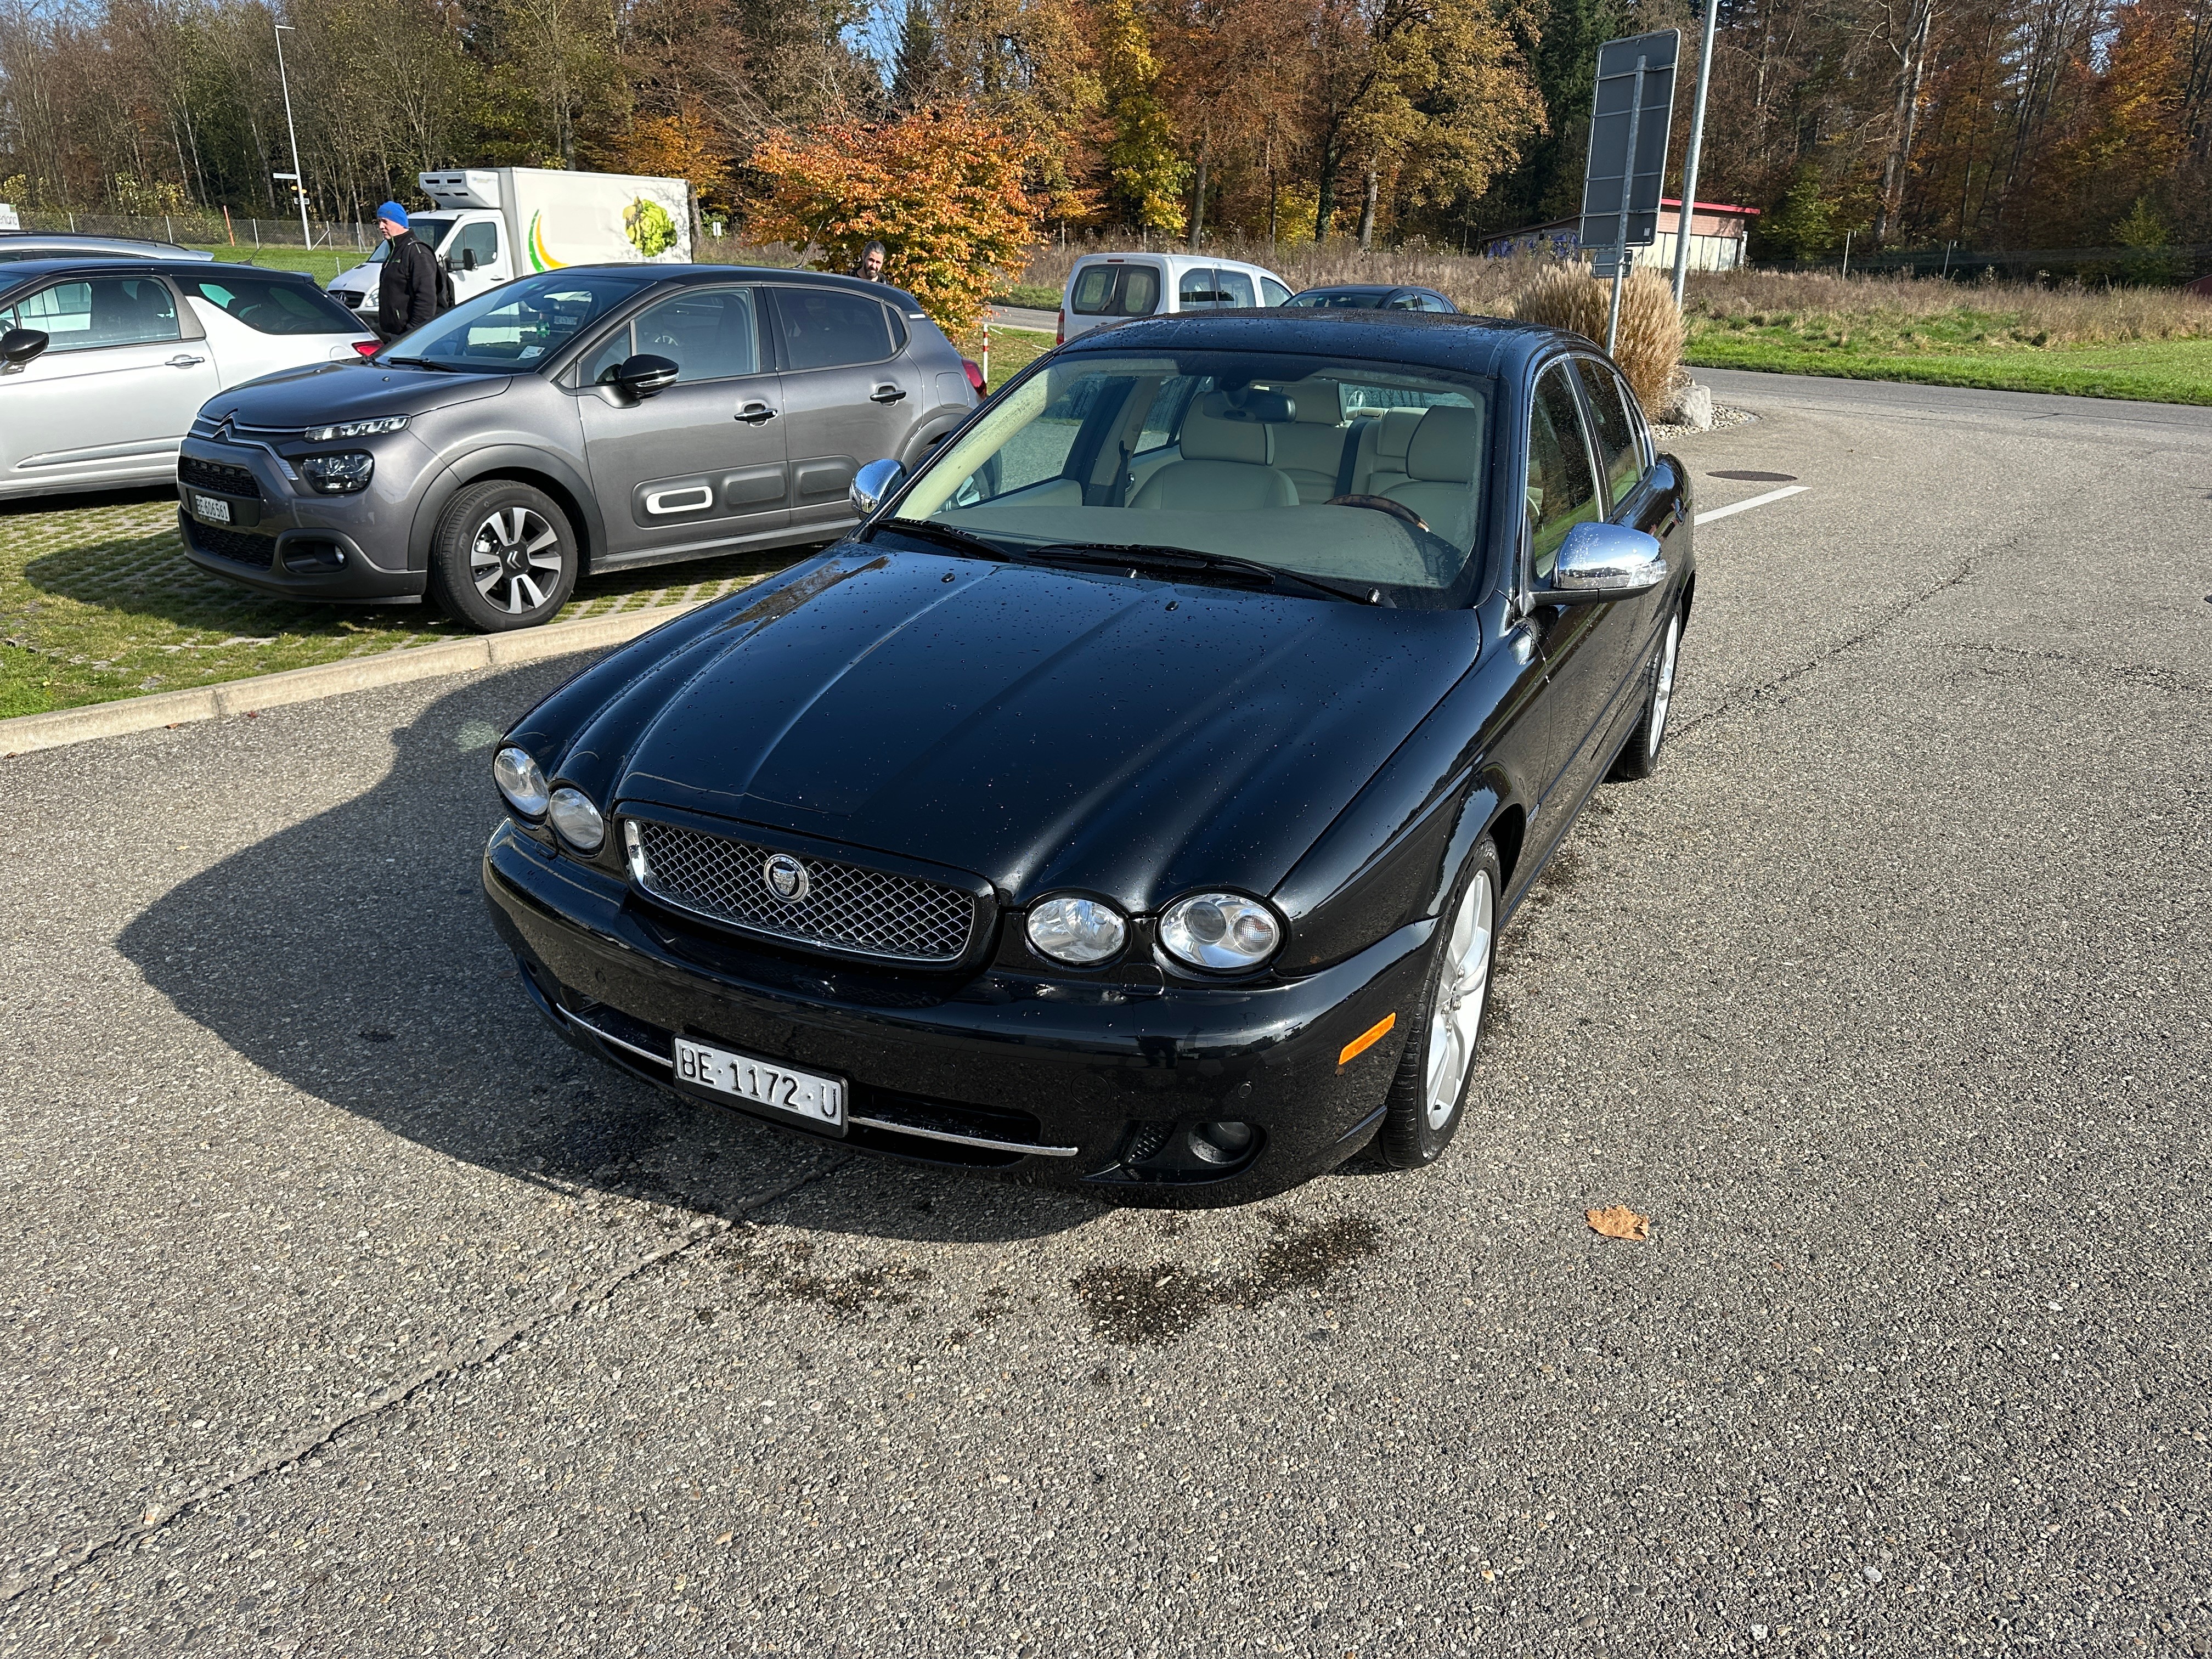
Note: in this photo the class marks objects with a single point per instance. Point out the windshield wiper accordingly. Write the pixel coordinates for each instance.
(1140, 557)
(943, 532)
(423, 362)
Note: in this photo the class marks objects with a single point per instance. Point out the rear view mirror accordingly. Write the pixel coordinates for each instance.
(19, 345)
(1600, 562)
(645, 376)
(873, 483)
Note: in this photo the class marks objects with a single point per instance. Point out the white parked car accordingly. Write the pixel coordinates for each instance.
(104, 363)
(1106, 288)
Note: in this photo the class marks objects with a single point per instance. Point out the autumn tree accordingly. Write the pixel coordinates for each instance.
(941, 189)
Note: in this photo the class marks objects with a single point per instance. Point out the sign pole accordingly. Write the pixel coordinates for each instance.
(1689, 157)
(1627, 182)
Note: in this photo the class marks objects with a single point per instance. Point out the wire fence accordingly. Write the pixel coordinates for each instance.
(199, 228)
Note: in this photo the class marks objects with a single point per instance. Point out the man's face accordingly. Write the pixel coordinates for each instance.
(871, 263)
(390, 229)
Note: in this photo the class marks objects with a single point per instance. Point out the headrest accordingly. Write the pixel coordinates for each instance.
(1446, 445)
(1217, 431)
(1393, 431)
(1320, 403)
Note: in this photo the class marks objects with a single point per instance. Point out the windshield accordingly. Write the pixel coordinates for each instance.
(518, 325)
(1364, 472)
(430, 232)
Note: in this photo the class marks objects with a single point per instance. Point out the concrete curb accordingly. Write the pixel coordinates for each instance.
(26, 732)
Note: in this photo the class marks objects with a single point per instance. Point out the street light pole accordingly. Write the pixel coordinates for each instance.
(1689, 157)
(299, 184)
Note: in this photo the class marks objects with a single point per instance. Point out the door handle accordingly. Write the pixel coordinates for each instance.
(180, 361)
(754, 414)
(886, 394)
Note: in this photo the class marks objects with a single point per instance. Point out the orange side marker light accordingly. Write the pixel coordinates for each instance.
(1367, 1039)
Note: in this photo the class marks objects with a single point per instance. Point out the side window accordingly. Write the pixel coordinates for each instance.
(1234, 287)
(1403, 302)
(1195, 291)
(709, 333)
(1273, 292)
(269, 306)
(1170, 399)
(1617, 452)
(102, 311)
(481, 239)
(1435, 302)
(824, 328)
(1562, 493)
(608, 357)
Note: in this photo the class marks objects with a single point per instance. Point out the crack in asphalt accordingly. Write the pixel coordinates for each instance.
(452, 1363)
(1967, 568)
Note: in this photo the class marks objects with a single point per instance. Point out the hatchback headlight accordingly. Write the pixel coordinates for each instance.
(1220, 931)
(578, 821)
(1080, 932)
(323, 434)
(520, 781)
(347, 474)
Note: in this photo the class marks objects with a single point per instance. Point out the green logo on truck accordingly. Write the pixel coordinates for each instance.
(648, 227)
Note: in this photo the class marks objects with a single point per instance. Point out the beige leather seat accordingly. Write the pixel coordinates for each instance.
(1311, 447)
(1228, 465)
(1440, 462)
(1381, 460)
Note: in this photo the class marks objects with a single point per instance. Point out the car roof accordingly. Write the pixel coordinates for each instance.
(96, 244)
(1473, 345)
(16, 273)
(689, 274)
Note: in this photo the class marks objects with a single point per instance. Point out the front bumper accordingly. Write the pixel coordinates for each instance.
(281, 540)
(966, 1071)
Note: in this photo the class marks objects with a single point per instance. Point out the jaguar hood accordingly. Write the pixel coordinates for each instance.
(1039, 727)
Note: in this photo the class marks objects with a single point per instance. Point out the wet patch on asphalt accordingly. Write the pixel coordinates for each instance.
(1153, 1306)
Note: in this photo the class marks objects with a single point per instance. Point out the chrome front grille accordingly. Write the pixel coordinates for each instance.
(846, 907)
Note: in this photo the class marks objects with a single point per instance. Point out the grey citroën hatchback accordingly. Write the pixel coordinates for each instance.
(581, 420)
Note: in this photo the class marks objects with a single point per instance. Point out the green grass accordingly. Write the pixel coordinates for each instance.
(97, 602)
(1012, 351)
(1960, 347)
(322, 264)
(1033, 297)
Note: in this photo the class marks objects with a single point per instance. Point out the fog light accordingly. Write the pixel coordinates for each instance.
(1223, 1141)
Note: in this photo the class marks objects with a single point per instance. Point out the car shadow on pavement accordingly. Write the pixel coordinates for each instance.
(351, 956)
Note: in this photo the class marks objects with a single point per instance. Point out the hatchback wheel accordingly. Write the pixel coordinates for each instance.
(1639, 756)
(504, 556)
(1428, 1097)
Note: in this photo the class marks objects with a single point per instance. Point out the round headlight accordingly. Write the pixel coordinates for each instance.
(1220, 930)
(577, 819)
(1079, 931)
(519, 781)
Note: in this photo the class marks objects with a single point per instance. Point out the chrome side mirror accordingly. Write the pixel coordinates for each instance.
(1601, 562)
(873, 483)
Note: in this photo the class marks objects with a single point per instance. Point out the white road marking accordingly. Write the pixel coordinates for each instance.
(1756, 500)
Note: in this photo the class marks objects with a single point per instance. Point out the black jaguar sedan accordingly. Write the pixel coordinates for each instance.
(1133, 803)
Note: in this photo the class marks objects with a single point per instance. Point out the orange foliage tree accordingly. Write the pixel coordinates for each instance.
(942, 190)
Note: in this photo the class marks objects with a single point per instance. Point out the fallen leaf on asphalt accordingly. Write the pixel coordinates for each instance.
(1618, 1221)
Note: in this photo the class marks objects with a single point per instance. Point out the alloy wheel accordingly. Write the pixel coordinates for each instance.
(1663, 689)
(514, 559)
(1462, 989)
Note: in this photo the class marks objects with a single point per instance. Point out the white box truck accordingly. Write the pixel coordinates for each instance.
(491, 225)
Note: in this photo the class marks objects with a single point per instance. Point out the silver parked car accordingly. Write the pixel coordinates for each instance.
(104, 363)
(16, 245)
(588, 419)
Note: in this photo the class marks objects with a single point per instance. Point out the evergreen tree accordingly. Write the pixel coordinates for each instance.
(914, 71)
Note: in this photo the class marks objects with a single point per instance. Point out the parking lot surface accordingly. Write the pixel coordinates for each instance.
(347, 1312)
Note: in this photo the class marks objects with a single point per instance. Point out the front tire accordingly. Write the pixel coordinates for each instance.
(1639, 756)
(1428, 1097)
(505, 556)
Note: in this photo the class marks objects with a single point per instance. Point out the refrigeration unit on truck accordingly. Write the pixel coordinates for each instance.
(490, 225)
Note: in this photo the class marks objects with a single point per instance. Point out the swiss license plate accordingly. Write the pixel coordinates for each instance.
(763, 1083)
(209, 510)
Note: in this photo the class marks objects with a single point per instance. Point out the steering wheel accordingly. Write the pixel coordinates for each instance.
(1380, 504)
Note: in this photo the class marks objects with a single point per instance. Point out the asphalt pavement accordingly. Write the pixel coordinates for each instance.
(347, 1312)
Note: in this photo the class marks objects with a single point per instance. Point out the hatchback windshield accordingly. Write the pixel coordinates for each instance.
(1368, 474)
(518, 325)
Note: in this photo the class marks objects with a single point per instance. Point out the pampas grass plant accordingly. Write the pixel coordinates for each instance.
(1649, 345)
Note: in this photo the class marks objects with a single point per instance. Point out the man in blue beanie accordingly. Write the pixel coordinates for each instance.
(407, 291)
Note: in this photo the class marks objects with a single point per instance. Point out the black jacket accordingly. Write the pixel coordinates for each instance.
(407, 292)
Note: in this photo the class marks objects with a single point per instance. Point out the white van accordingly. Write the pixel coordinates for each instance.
(1105, 288)
(494, 224)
